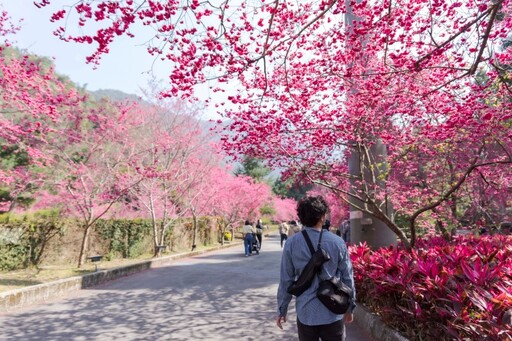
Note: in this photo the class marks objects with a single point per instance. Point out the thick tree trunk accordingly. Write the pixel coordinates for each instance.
(155, 238)
(366, 164)
(224, 229)
(194, 235)
(161, 237)
(84, 246)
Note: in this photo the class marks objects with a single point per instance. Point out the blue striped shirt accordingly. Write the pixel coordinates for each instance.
(296, 254)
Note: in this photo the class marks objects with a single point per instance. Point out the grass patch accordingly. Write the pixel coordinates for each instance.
(32, 276)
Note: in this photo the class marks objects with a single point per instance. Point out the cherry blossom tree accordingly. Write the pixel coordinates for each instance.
(286, 209)
(7, 27)
(236, 198)
(32, 99)
(309, 90)
(172, 163)
(91, 159)
(201, 195)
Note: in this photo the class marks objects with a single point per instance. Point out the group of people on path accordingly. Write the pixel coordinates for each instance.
(253, 235)
(288, 229)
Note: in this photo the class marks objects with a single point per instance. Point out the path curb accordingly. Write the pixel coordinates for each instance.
(375, 327)
(17, 298)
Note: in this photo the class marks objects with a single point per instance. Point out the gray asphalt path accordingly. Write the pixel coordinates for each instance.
(221, 295)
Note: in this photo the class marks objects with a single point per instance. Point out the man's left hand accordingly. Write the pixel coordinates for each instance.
(280, 320)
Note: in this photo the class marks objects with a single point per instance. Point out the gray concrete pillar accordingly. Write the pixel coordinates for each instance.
(363, 226)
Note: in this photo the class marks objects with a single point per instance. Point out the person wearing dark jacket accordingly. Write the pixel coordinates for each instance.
(259, 231)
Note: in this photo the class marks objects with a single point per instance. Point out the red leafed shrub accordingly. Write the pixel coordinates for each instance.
(458, 290)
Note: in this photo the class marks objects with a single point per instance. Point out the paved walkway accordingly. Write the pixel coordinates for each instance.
(219, 295)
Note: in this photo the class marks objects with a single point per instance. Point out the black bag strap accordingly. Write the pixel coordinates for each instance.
(310, 244)
(308, 241)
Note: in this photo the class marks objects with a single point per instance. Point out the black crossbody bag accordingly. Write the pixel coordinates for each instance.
(309, 272)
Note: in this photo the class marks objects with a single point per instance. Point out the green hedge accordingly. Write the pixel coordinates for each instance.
(24, 238)
(128, 237)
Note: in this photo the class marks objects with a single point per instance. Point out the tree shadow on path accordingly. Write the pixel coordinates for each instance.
(221, 296)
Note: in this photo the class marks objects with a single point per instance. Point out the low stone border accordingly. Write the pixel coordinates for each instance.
(375, 327)
(13, 299)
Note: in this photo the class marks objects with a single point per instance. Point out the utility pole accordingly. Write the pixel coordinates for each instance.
(363, 226)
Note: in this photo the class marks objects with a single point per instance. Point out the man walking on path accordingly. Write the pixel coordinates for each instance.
(294, 228)
(259, 231)
(283, 231)
(314, 320)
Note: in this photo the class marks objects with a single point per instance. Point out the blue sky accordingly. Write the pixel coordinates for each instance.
(124, 68)
(127, 67)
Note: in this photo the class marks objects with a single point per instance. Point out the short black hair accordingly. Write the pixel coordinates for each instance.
(311, 209)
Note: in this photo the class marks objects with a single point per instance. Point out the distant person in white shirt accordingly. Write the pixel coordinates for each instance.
(283, 231)
(247, 231)
(294, 228)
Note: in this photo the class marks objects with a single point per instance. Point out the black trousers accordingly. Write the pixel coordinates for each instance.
(259, 237)
(283, 238)
(326, 332)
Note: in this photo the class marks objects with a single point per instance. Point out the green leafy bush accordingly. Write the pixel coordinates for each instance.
(12, 256)
(127, 236)
(24, 238)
